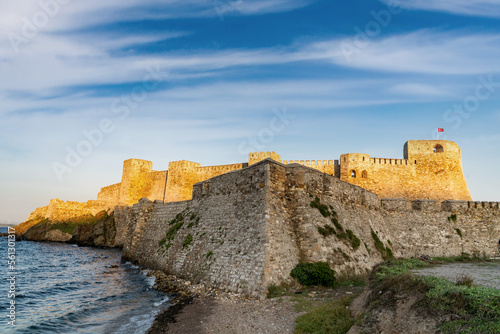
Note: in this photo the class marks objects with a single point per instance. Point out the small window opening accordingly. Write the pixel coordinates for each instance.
(415, 162)
(353, 174)
(364, 174)
(353, 159)
(438, 149)
(363, 158)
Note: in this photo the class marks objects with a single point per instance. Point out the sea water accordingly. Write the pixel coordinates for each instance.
(61, 288)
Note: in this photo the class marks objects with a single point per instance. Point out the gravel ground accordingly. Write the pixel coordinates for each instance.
(485, 274)
(226, 315)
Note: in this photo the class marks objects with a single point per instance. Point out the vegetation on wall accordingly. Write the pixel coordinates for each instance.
(323, 209)
(187, 241)
(386, 252)
(327, 230)
(183, 220)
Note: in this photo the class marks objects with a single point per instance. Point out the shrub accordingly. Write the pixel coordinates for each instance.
(335, 222)
(355, 242)
(453, 218)
(318, 273)
(465, 280)
(326, 230)
(459, 232)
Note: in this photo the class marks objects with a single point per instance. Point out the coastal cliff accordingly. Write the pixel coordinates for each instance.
(87, 230)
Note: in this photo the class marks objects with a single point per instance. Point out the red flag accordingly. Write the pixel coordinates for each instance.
(440, 130)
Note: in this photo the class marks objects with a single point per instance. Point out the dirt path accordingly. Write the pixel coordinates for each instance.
(485, 274)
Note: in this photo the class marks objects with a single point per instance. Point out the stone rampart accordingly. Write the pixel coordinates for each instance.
(226, 221)
(247, 229)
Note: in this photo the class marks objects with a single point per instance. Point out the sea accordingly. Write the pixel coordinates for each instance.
(62, 288)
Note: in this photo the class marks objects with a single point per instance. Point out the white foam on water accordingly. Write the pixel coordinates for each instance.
(138, 324)
(164, 300)
(128, 264)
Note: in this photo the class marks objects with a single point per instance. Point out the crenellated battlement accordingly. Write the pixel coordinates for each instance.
(255, 157)
(311, 163)
(183, 164)
(221, 168)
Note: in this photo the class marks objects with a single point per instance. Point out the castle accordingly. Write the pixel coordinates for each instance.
(245, 226)
(431, 169)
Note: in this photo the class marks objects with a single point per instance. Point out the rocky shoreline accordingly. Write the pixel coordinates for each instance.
(197, 309)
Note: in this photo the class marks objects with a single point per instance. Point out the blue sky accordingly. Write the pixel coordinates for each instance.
(206, 80)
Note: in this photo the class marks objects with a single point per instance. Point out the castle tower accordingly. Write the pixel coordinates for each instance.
(136, 181)
(431, 169)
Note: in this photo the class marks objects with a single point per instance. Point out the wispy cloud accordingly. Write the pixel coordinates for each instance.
(488, 8)
(80, 14)
(53, 61)
(423, 51)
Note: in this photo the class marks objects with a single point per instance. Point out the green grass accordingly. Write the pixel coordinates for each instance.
(69, 226)
(275, 291)
(333, 317)
(473, 309)
(65, 227)
(464, 257)
(395, 267)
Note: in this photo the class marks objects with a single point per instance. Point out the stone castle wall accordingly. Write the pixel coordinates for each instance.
(254, 225)
(229, 240)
